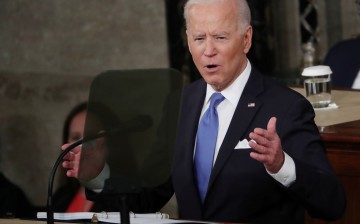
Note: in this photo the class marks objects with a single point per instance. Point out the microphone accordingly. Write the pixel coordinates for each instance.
(138, 124)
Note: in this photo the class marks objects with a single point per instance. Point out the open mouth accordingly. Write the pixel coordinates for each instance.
(211, 66)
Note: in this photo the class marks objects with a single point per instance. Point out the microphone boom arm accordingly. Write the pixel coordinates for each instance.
(140, 123)
(50, 209)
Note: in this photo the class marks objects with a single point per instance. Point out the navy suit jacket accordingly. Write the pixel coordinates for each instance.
(240, 189)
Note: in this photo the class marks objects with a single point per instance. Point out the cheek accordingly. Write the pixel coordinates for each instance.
(235, 54)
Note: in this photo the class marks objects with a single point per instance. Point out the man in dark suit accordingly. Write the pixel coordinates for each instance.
(268, 162)
(343, 59)
(284, 170)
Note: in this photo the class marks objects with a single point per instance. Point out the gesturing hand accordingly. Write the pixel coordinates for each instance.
(85, 163)
(71, 160)
(267, 147)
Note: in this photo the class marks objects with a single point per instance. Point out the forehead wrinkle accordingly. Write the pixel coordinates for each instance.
(204, 22)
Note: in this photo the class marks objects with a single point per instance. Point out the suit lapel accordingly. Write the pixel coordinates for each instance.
(246, 109)
(191, 111)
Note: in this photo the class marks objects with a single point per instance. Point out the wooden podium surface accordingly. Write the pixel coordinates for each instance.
(348, 102)
(340, 131)
(21, 221)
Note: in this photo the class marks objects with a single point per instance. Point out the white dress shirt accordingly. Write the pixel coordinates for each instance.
(356, 83)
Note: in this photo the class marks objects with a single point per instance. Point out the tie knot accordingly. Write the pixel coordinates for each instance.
(216, 99)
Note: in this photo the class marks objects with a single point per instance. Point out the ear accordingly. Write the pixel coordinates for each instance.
(248, 39)
(187, 38)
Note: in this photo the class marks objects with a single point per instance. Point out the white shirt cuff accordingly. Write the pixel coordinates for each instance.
(97, 184)
(287, 173)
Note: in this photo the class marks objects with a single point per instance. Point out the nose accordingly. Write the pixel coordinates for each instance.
(210, 49)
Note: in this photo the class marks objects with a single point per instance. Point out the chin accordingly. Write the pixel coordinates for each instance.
(218, 86)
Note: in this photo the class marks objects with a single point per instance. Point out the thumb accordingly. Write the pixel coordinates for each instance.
(271, 126)
(64, 146)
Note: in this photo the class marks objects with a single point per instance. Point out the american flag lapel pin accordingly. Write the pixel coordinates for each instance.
(251, 104)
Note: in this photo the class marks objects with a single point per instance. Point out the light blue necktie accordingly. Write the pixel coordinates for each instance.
(205, 144)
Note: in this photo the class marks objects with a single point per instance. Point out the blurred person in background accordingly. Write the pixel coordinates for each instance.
(13, 201)
(71, 196)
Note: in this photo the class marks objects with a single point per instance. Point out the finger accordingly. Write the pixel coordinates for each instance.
(259, 157)
(257, 147)
(271, 126)
(77, 149)
(67, 165)
(72, 173)
(70, 165)
(264, 136)
(260, 131)
(259, 139)
(63, 147)
(69, 157)
(73, 154)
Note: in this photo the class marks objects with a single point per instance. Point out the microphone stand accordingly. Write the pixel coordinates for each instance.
(125, 219)
(50, 209)
(124, 212)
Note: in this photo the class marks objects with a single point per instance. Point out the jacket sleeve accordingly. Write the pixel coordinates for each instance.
(316, 187)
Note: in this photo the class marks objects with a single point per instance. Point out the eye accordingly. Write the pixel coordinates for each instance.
(199, 38)
(220, 37)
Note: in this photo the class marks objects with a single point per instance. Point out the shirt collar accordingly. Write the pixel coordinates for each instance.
(233, 92)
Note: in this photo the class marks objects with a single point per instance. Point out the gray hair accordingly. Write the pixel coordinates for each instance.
(242, 6)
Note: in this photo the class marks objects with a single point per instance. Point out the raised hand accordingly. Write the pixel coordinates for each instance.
(85, 162)
(71, 160)
(267, 147)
